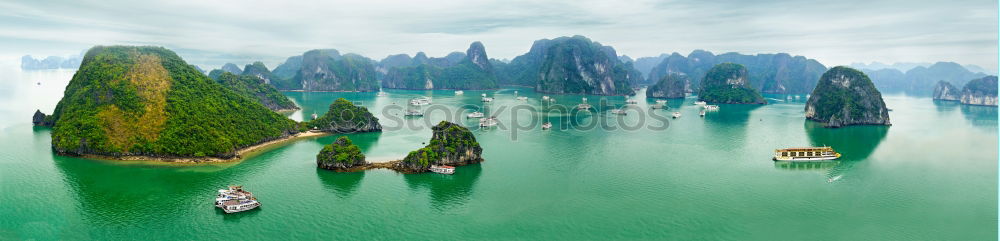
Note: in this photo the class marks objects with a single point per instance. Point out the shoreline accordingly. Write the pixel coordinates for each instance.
(241, 154)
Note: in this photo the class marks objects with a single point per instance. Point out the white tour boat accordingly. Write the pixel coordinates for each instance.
(619, 112)
(420, 101)
(487, 122)
(459, 92)
(711, 107)
(661, 101)
(413, 113)
(658, 106)
(443, 169)
(476, 114)
(522, 98)
(631, 101)
(546, 125)
(677, 114)
(806, 154)
(235, 199)
(700, 103)
(702, 113)
(380, 94)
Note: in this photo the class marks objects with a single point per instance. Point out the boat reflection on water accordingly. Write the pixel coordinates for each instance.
(446, 191)
(854, 143)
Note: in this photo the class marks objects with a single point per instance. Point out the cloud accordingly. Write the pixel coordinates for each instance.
(210, 33)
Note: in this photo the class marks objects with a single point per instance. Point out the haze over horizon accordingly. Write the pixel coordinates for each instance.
(212, 33)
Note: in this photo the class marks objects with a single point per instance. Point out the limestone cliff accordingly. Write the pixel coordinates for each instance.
(845, 96)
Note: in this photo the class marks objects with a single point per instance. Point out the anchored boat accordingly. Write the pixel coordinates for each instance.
(806, 154)
(476, 114)
(443, 169)
(459, 92)
(546, 125)
(619, 112)
(420, 101)
(235, 199)
(677, 115)
(711, 107)
(487, 122)
(414, 113)
(700, 103)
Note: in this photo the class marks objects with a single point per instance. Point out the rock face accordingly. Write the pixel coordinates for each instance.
(769, 73)
(326, 70)
(982, 91)
(344, 117)
(41, 119)
(570, 65)
(146, 101)
(340, 155)
(729, 83)
(471, 70)
(258, 70)
(576, 65)
(451, 144)
(253, 86)
(671, 86)
(945, 91)
(845, 96)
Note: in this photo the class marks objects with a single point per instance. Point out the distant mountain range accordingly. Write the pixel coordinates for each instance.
(52, 62)
(579, 65)
(921, 80)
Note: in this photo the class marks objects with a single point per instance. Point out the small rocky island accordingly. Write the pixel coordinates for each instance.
(341, 155)
(846, 96)
(451, 144)
(943, 90)
(729, 83)
(41, 119)
(345, 117)
(670, 86)
(981, 91)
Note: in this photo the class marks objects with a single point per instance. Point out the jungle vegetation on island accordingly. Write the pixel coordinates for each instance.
(147, 101)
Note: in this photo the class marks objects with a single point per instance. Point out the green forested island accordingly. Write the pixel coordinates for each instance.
(845, 96)
(146, 101)
(326, 70)
(255, 88)
(451, 144)
(570, 65)
(340, 155)
(729, 83)
(670, 86)
(472, 71)
(345, 117)
(769, 73)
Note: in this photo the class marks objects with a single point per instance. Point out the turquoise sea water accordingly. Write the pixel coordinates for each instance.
(930, 176)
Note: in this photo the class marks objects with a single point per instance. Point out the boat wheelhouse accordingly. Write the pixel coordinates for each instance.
(443, 169)
(420, 101)
(235, 199)
(806, 154)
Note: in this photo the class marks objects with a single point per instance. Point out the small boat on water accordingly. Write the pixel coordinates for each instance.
(522, 98)
(661, 101)
(702, 113)
(443, 169)
(545, 97)
(420, 101)
(414, 113)
(700, 103)
(711, 107)
(631, 101)
(459, 92)
(235, 199)
(677, 115)
(546, 125)
(658, 106)
(487, 122)
(314, 116)
(475, 114)
(487, 99)
(806, 154)
(583, 106)
(380, 94)
(619, 112)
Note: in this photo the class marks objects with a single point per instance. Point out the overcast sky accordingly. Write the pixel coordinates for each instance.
(210, 32)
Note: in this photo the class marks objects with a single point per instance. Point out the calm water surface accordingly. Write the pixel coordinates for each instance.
(930, 176)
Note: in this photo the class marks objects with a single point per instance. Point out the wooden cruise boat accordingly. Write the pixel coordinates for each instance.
(443, 169)
(235, 199)
(806, 154)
